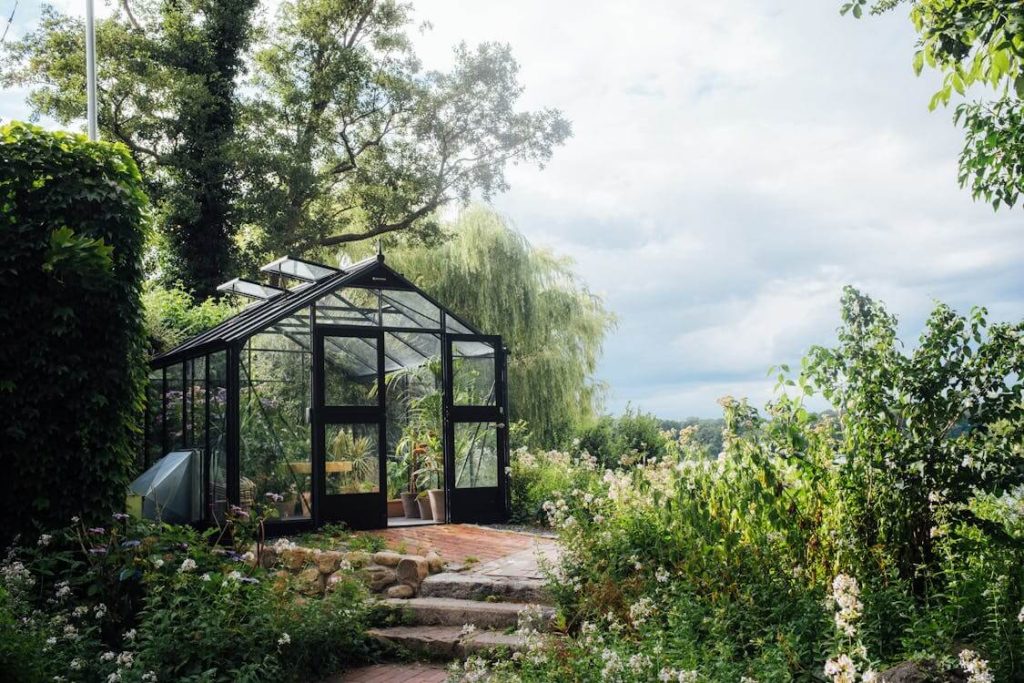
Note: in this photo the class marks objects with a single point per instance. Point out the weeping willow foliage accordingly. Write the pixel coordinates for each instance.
(552, 324)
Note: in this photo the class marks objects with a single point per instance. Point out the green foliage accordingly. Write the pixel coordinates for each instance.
(70, 276)
(975, 44)
(631, 437)
(339, 135)
(166, 605)
(539, 477)
(551, 323)
(892, 529)
(172, 316)
(706, 432)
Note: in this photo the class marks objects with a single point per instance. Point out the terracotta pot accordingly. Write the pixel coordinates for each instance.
(409, 506)
(436, 497)
(395, 508)
(424, 504)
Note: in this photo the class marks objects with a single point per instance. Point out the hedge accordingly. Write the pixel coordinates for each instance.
(72, 217)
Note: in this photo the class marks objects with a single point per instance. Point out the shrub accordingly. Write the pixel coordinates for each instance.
(631, 437)
(816, 546)
(139, 601)
(539, 477)
(172, 315)
(72, 359)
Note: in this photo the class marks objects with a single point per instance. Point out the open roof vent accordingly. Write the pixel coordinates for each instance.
(253, 290)
(297, 269)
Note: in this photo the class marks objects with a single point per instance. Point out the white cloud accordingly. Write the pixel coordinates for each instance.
(734, 164)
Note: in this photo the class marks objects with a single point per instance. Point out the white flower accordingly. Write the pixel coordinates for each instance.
(871, 676)
(841, 669)
(1020, 617)
(108, 656)
(975, 667)
(661, 575)
(63, 590)
(149, 677)
(75, 664)
(158, 563)
(51, 641)
(205, 577)
(284, 639)
(130, 635)
(467, 629)
(44, 540)
(115, 677)
(248, 557)
(187, 565)
(126, 659)
(101, 611)
(80, 611)
(846, 596)
(70, 632)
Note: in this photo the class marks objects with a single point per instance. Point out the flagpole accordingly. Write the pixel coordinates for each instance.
(90, 70)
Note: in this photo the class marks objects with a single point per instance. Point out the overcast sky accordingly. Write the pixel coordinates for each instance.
(734, 164)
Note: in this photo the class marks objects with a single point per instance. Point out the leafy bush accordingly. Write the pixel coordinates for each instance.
(816, 546)
(538, 477)
(71, 394)
(172, 315)
(145, 602)
(631, 437)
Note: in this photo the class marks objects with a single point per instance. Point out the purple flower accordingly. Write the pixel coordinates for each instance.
(274, 497)
(249, 579)
(120, 516)
(131, 544)
(97, 530)
(97, 551)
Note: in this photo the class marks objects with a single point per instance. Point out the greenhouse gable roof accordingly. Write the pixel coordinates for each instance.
(369, 273)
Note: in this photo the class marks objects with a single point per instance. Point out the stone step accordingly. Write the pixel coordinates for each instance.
(482, 587)
(483, 615)
(447, 642)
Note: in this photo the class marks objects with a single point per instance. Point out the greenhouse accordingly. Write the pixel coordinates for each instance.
(337, 395)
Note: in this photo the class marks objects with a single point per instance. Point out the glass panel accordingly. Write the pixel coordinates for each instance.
(473, 373)
(297, 268)
(350, 371)
(196, 396)
(350, 306)
(476, 455)
(274, 394)
(154, 417)
(174, 403)
(253, 290)
(218, 496)
(409, 309)
(453, 325)
(352, 460)
(414, 405)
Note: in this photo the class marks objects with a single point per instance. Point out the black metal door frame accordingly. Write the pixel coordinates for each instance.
(483, 504)
(357, 510)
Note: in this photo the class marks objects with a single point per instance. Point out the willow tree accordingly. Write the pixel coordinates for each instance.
(553, 325)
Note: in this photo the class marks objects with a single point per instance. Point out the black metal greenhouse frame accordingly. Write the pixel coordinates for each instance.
(482, 505)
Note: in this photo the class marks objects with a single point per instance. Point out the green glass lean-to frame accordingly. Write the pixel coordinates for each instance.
(298, 395)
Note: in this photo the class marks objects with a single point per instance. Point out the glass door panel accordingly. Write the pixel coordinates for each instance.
(476, 444)
(349, 425)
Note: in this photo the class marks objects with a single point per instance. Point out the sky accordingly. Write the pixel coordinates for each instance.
(734, 164)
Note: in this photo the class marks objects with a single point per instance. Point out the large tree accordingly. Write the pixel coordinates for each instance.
(336, 133)
(167, 75)
(976, 45)
(553, 325)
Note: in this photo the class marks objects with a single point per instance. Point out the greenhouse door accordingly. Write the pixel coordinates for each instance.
(476, 433)
(349, 427)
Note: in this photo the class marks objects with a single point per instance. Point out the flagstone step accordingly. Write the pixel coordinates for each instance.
(447, 642)
(457, 612)
(471, 586)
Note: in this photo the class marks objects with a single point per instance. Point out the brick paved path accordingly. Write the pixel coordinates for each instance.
(456, 542)
(393, 673)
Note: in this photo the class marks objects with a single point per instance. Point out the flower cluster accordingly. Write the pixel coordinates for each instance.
(846, 597)
(975, 667)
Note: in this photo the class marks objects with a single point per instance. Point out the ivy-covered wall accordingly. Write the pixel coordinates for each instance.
(72, 218)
